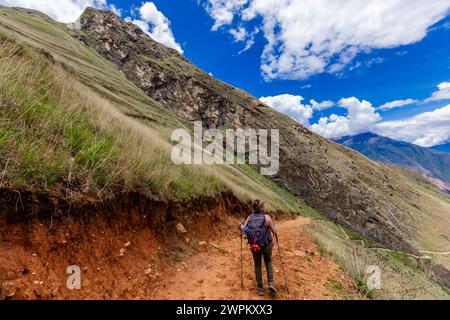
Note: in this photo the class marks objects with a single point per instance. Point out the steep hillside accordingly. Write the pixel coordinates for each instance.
(426, 161)
(348, 188)
(98, 133)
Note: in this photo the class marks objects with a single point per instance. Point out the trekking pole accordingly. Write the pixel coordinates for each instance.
(282, 266)
(242, 276)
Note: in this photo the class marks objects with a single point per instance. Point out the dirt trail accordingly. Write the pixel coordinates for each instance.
(138, 253)
(215, 274)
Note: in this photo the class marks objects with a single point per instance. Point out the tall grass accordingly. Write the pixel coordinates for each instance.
(56, 130)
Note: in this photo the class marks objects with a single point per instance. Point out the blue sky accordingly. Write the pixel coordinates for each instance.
(355, 59)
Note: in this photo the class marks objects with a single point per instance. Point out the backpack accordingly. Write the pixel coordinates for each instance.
(258, 233)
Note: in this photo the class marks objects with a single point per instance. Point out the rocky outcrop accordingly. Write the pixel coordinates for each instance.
(161, 72)
(344, 185)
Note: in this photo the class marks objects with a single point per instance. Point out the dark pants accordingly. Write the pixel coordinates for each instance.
(267, 254)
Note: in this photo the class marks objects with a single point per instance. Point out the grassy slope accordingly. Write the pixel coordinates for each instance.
(436, 206)
(402, 276)
(81, 124)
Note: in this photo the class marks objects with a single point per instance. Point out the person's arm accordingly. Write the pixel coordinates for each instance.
(242, 226)
(271, 226)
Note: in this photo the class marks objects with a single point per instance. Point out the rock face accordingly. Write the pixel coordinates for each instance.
(348, 188)
(161, 72)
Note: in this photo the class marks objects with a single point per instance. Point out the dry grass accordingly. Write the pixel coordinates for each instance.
(54, 129)
(109, 96)
(401, 276)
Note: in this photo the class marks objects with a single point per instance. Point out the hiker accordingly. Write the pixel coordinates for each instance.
(259, 229)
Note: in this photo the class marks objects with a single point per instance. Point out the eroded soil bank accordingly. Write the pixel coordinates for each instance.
(130, 246)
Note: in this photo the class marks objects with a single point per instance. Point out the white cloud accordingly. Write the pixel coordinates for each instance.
(307, 37)
(156, 25)
(425, 129)
(61, 10)
(361, 117)
(242, 35)
(248, 44)
(444, 86)
(333, 126)
(321, 105)
(443, 93)
(290, 105)
(222, 11)
(397, 104)
(239, 34)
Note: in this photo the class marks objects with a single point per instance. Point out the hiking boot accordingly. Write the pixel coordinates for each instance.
(261, 291)
(272, 287)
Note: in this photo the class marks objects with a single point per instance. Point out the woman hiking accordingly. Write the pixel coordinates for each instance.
(259, 229)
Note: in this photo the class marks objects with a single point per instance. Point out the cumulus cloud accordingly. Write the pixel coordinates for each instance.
(307, 37)
(321, 105)
(397, 104)
(443, 93)
(156, 25)
(291, 105)
(61, 10)
(361, 117)
(425, 129)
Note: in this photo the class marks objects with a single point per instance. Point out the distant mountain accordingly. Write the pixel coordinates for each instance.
(431, 163)
(442, 147)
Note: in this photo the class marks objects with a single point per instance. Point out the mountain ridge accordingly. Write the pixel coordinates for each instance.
(431, 163)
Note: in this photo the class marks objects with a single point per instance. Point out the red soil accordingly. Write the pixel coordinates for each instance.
(126, 255)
